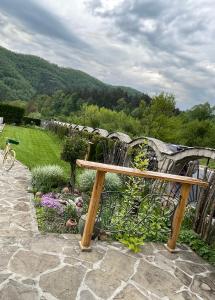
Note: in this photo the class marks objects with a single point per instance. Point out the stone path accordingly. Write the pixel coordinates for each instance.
(50, 267)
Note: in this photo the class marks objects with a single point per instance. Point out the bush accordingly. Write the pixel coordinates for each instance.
(74, 148)
(45, 178)
(86, 179)
(31, 121)
(11, 114)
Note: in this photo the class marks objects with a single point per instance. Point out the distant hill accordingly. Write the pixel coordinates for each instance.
(25, 76)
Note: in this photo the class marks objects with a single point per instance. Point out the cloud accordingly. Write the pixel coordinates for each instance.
(177, 35)
(37, 20)
(151, 45)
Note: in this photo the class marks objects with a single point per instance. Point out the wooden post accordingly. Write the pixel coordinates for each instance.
(178, 217)
(92, 211)
(101, 169)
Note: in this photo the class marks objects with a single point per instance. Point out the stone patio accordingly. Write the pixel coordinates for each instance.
(49, 267)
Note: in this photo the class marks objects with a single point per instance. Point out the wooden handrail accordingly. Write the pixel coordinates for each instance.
(102, 169)
(135, 172)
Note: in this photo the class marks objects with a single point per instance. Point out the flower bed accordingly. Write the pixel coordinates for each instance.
(54, 210)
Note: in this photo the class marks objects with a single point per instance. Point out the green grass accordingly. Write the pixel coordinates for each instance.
(37, 146)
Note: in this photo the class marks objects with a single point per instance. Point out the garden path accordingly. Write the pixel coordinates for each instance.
(49, 267)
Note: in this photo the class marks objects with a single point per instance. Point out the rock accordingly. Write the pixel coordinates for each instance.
(4, 277)
(65, 190)
(185, 295)
(31, 264)
(113, 262)
(91, 257)
(156, 280)
(104, 281)
(129, 293)
(185, 279)
(6, 253)
(17, 291)
(191, 256)
(39, 194)
(190, 268)
(63, 283)
(86, 295)
(21, 206)
(147, 249)
(204, 286)
(29, 282)
(164, 263)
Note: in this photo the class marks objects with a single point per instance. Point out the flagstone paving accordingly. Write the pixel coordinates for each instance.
(49, 267)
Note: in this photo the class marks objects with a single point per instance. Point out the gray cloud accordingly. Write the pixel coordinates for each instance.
(177, 34)
(37, 20)
(151, 45)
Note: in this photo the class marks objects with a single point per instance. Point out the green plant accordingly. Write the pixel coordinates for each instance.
(45, 178)
(49, 220)
(189, 217)
(140, 215)
(189, 237)
(70, 212)
(74, 147)
(37, 202)
(86, 179)
(133, 243)
(31, 121)
(11, 114)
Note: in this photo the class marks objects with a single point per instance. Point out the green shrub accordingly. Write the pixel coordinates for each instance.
(74, 148)
(11, 114)
(86, 179)
(193, 240)
(46, 178)
(31, 121)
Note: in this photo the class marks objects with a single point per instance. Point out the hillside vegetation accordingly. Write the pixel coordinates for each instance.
(24, 76)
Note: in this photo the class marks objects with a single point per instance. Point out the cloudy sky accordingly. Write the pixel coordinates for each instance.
(151, 45)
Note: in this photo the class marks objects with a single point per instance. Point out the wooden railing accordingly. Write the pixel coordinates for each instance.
(102, 169)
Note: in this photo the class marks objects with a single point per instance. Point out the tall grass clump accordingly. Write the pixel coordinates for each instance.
(46, 178)
(86, 180)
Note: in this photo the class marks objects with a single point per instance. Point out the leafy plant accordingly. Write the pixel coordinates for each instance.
(86, 180)
(133, 243)
(190, 238)
(140, 215)
(74, 148)
(45, 178)
(70, 212)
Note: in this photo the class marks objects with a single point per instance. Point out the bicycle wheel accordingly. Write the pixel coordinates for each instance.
(8, 160)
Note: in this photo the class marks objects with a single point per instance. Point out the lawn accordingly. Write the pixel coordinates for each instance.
(37, 146)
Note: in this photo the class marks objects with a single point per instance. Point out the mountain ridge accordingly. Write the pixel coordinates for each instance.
(22, 76)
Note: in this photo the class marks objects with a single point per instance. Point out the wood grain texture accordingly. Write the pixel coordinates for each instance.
(135, 172)
(179, 216)
(92, 210)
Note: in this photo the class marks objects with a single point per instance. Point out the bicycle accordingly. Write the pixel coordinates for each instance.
(9, 155)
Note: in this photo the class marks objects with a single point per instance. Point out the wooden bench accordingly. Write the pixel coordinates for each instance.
(102, 169)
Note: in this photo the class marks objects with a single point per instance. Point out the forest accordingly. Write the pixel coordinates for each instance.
(159, 118)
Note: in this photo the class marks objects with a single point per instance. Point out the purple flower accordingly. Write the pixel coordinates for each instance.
(49, 200)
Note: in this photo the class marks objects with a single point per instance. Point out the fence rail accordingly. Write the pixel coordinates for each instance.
(102, 169)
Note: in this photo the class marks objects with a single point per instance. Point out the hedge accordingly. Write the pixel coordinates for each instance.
(31, 121)
(11, 114)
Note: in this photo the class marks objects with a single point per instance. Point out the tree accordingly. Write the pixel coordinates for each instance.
(75, 147)
(201, 112)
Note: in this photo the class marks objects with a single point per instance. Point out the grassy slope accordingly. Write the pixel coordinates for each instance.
(36, 147)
